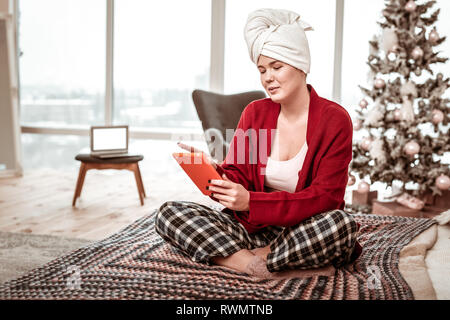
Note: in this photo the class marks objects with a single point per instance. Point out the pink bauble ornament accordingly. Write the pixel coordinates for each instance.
(433, 37)
(397, 114)
(410, 6)
(417, 53)
(437, 116)
(443, 182)
(363, 103)
(357, 125)
(363, 187)
(365, 144)
(379, 83)
(351, 180)
(412, 148)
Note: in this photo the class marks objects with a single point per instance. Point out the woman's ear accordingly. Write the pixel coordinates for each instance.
(305, 74)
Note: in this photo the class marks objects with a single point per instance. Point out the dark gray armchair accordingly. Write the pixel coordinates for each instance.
(219, 112)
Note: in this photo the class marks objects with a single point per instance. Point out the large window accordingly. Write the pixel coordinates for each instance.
(240, 72)
(161, 53)
(62, 63)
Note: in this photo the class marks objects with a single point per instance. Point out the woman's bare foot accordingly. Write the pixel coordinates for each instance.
(251, 262)
(237, 261)
(262, 252)
(258, 268)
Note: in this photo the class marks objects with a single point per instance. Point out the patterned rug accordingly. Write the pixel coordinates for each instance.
(135, 263)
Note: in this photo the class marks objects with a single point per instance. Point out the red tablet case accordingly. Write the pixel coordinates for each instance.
(198, 168)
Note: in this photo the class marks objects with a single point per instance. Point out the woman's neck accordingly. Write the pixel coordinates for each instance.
(297, 108)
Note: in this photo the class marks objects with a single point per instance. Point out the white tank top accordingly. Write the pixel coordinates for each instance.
(283, 175)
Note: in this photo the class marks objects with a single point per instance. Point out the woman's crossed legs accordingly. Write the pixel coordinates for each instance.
(208, 235)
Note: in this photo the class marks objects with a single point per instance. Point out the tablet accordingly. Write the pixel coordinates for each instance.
(198, 168)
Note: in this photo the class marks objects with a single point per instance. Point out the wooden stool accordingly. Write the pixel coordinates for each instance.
(126, 163)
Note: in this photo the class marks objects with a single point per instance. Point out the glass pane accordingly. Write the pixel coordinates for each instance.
(62, 67)
(52, 151)
(240, 72)
(162, 53)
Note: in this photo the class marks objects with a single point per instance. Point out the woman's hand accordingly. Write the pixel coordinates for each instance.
(192, 149)
(232, 195)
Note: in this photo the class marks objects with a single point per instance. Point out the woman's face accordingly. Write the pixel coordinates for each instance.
(281, 81)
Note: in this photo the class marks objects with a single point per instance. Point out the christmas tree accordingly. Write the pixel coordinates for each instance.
(403, 116)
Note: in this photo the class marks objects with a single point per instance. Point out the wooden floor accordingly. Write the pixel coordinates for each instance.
(40, 202)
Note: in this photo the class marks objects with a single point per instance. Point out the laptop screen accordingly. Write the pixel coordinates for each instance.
(109, 138)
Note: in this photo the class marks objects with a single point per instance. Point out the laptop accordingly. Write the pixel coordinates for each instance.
(109, 142)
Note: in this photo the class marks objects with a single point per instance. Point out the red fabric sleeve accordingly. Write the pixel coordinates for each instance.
(327, 189)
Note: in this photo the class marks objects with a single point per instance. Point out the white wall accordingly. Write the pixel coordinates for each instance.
(10, 152)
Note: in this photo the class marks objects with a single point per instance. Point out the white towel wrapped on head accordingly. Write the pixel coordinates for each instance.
(278, 34)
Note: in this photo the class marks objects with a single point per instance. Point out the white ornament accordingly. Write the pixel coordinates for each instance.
(377, 151)
(374, 116)
(407, 110)
(388, 39)
(408, 88)
(392, 56)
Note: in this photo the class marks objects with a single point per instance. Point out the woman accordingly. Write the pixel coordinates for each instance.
(283, 203)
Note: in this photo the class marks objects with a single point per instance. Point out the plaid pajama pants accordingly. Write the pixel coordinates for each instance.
(202, 232)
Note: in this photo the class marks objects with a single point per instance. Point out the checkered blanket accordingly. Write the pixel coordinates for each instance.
(135, 263)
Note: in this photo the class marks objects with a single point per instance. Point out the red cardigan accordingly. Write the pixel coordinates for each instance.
(322, 179)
